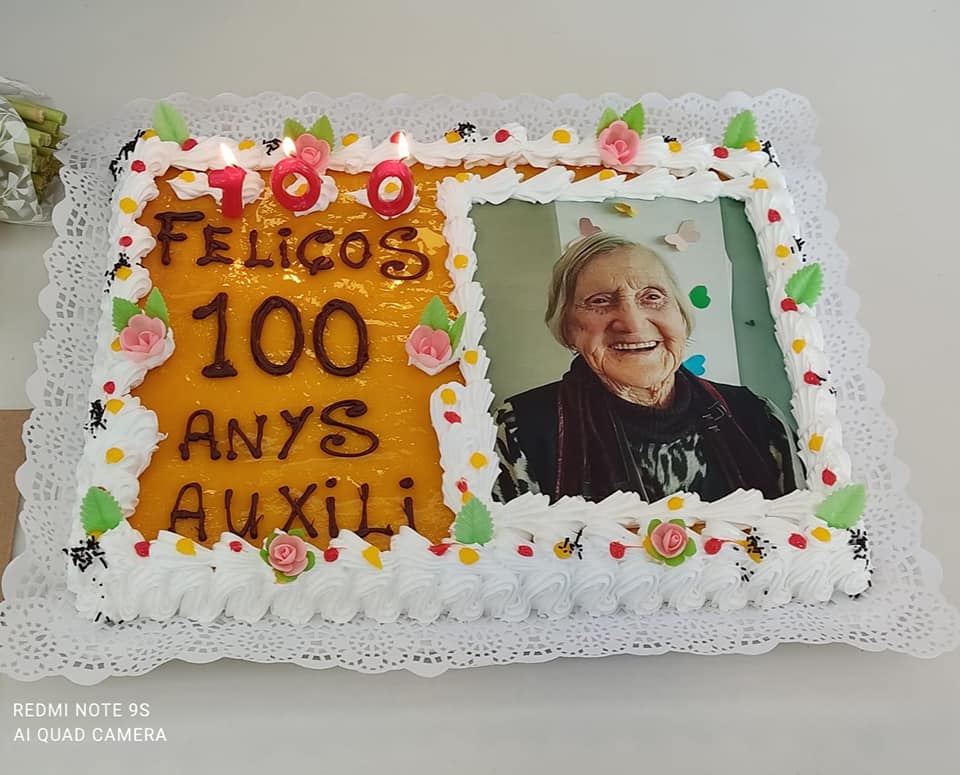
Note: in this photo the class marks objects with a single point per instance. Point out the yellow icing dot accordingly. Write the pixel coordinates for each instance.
(115, 345)
(460, 261)
(114, 455)
(469, 556)
(466, 497)
(391, 188)
(674, 146)
(821, 534)
(607, 174)
(478, 460)
(148, 134)
(560, 136)
(114, 405)
(816, 442)
(758, 184)
(624, 209)
(448, 396)
(350, 139)
(563, 549)
(244, 145)
(187, 176)
(127, 205)
(782, 251)
(123, 272)
(471, 357)
(798, 344)
(675, 503)
(186, 546)
(463, 177)
(372, 555)
(452, 137)
(752, 145)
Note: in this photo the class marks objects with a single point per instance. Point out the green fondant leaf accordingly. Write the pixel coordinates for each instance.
(299, 532)
(741, 130)
(674, 561)
(435, 315)
(169, 124)
(156, 307)
(99, 511)
(679, 521)
(123, 310)
(654, 524)
(634, 118)
(805, 285)
(311, 561)
(473, 524)
(843, 508)
(265, 556)
(322, 130)
(456, 330)
(283, 578)
(606, 119)
(690, 549)
(293, 129)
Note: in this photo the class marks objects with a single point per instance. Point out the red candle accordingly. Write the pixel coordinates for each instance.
(294, 166)
(392, 168)
(230, 181)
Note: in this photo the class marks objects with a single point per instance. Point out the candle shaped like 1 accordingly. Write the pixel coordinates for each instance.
(230, 181)
(392, 168)
(294, 166)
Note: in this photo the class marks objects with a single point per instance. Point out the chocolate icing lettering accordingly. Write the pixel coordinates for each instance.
(252, 260)
(191, 435)
(356, 236)
(220, 367)
(166, 235)
(256, 331)
(233, 429)
(253, 519)
(296, 425)
(320, 349)
(353, 408)
(211, 244)
(284, 258)
(198, 513)
(296, 509)
(394, 268)
(321, 236)
(363, 530)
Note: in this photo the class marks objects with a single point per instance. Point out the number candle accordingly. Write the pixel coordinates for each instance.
(230, 181)
(294, 166)
(392, 168)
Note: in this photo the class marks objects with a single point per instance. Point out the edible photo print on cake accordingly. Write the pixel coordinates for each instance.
(632, 349)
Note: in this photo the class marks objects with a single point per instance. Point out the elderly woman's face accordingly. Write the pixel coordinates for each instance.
(625, 321)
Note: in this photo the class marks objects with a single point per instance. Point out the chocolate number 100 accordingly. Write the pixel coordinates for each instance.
(222, 367)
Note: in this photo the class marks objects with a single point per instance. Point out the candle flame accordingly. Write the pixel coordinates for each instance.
(228, 156)
(403, 147)
(289, 147)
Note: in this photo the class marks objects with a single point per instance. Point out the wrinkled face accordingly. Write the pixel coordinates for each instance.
(625, 321)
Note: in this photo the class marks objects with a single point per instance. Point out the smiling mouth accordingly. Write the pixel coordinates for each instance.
(636, 347)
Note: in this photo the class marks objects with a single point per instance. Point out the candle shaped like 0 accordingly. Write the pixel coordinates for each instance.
(294, 166)
(392, 168)
(230, 181)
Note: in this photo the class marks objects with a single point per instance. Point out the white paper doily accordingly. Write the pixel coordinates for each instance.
(40, 634)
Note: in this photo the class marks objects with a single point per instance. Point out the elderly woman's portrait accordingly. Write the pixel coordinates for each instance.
(617, 358)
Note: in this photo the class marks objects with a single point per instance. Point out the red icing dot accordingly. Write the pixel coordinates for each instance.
(525, 551)
(439, 549)
(330, 555)
(142, 548)
(712, 545)
(138, 166)
(502, 136)
(788, 305)
(236, 546)
(452, 417)
(188, 144)
(126, 241)
(108, 388)
(395, 137)
(772, 215)
(812, 378)
(462, 485)
(720, 152)
(617, 550)
(829, 478)
(798, 541)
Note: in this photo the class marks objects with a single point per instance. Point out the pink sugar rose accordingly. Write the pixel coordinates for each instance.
(428, 347)
(669, 539)
(288, 554)
(314, 152)
(143, 338)
(618, 144)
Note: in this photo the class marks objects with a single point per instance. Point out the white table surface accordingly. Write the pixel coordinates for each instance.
(892, 176)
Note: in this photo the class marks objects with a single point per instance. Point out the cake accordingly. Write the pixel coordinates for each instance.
(295, 407)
